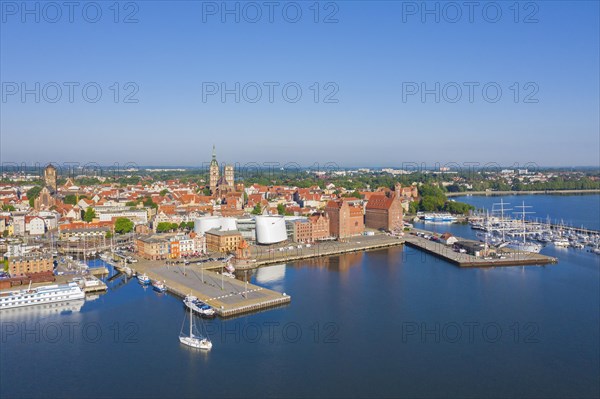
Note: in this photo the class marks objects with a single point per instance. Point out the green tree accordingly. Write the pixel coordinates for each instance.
(72, 199)
(163, 227)
(109, 235)
(149, 203)
(413, 207)
(33, 193)
(280, 209)
(257, 210)
(164, 192)
(123, 225)
(206, 191)
(89, 214)
(8, 208)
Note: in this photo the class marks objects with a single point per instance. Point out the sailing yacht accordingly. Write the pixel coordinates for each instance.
(195, 341)
(524, 245)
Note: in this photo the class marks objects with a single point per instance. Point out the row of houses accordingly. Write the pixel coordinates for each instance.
(169, 246)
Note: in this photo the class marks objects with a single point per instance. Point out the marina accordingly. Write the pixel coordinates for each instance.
(500, 229)
(503, 257)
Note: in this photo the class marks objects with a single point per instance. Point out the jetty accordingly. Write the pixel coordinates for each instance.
(228, 296)
(266, 255)
(503, 257)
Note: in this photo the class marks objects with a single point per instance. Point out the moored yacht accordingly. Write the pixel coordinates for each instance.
(143, 279)
(198, 306)
(159, 286)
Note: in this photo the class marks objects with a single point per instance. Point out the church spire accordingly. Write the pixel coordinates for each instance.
(214, 153)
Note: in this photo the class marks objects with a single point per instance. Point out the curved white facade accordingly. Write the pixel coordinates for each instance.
(270, 229)
(228, 224)
(205, 223)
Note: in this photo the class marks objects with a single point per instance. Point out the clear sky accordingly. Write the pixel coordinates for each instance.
(370, 61)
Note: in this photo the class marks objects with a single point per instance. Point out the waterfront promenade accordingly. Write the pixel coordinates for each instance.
(265, 255)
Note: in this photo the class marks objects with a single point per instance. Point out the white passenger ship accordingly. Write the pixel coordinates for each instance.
(41, 295)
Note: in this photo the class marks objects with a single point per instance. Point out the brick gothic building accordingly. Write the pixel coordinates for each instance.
(345, 220)
(313, 229)
(384, 212)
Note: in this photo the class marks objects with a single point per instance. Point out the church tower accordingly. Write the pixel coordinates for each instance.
(50, 178)
(213, 172)
(229, 176)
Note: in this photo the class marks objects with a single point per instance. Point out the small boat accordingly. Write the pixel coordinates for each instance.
(198, 306)
(561, 242)
(192, 340)
(159, 286)
(229, 274)
(229, 267)
(143, 279)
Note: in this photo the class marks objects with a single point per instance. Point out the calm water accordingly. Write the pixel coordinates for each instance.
(383, 323)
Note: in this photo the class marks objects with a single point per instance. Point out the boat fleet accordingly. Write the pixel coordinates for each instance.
(526, 235)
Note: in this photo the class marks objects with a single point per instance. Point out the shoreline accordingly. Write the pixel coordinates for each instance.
(532, 192)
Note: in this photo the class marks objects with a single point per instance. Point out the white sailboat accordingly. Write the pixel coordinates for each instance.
(195, 341)
(524, 245)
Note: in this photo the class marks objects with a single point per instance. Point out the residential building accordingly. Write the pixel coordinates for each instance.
(30, 263)
(222, 241)
(153, 247)
(34, 225)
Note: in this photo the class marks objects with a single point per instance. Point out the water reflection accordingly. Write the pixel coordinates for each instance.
(37, 312)
(339, 263)
(272, 276)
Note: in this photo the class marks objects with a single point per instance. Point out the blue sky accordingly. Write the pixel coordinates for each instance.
(371, 57)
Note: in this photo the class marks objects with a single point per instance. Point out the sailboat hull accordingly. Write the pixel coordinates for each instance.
(195, 342)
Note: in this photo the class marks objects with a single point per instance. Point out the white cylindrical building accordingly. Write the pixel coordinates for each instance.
(228, 224)
(270, 229)
(205, 223)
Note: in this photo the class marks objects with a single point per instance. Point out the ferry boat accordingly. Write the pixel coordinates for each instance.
(198, 306)
(439, 217)
(159, 286)
(41, 295)
(143, 279)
